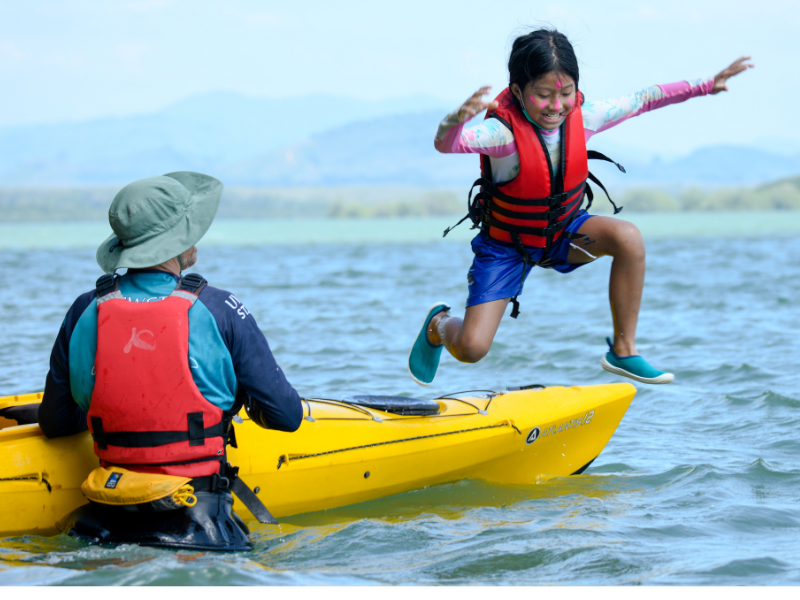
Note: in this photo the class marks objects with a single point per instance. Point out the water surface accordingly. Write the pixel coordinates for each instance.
(700, 484)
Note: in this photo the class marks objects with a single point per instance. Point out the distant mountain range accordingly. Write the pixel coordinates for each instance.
(317, 141)
(201, 133)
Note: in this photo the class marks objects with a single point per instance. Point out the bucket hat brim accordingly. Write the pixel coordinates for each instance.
(205, 192)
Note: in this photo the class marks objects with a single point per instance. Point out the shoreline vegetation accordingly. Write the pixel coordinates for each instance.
(369, 202)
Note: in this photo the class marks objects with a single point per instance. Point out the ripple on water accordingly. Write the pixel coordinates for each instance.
(758, 571)
(764, 399)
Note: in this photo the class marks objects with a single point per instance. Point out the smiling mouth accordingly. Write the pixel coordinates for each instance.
(552, 117)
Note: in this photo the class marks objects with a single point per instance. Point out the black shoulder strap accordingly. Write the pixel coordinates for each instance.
(189, 287)
(105, 284)
(107, 288)
(192, 283)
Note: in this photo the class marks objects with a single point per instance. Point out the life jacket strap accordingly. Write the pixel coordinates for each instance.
(229, 480)
(551, 215)
(595, 155)
(552, 201)
(195, 434)
(189, 287)
(480, 207)
(475, 210)
(527, 263)
(107, 288)
(617, 210)
(98, 435)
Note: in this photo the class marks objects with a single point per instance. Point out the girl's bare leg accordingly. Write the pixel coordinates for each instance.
(470, 338)
(622, 241)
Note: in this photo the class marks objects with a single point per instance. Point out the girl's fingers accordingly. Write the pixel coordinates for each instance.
(475, 104)
(480, 93)
(739, 66)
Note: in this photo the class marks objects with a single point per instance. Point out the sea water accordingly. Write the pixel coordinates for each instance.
(699, 485)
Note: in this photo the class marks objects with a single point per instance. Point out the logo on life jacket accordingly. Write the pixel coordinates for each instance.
(136, 340)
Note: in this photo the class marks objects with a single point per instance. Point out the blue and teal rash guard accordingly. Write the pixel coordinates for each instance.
(228, 355)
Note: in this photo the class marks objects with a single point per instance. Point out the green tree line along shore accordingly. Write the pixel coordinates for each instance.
(89, 204)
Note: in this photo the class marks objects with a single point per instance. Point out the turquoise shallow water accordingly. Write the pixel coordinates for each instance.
(699, 485)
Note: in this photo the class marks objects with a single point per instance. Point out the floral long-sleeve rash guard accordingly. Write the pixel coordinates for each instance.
(494, 139)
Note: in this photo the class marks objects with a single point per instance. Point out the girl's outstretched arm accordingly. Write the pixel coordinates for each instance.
(599, 116)
(489, 137)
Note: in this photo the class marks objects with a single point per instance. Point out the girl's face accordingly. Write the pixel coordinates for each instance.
(547, 100)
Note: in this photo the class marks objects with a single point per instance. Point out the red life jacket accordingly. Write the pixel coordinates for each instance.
(147, 413)
(535, 205)
(534, 208)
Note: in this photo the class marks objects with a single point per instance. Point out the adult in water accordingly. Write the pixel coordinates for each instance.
(156, 365)
(533, 180)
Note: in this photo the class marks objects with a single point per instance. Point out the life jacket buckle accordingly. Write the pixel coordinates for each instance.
(557, 200)
(552, 229)
(555, 213)
(219, 483)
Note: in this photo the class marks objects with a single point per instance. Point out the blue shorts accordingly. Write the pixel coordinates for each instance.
(496, 270)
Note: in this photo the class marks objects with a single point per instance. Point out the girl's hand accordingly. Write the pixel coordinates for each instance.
(736, 67)
(475, 104)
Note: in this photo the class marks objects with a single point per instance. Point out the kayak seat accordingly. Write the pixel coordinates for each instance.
(399, 405)
(24, 414)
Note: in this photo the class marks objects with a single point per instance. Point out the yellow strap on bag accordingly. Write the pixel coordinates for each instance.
(120, 487)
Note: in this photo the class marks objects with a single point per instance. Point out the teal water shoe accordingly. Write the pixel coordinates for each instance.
(634, 367)
(423, 360)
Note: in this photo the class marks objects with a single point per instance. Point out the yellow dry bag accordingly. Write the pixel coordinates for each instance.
(148, 491)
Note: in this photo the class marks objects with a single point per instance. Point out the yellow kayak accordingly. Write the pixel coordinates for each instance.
(344, 452)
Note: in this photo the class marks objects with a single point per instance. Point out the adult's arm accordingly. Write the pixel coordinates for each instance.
(273, 402)
(59, 415)
(599, 116)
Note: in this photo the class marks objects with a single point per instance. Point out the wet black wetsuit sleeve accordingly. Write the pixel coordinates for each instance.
(59, 415)
(273, 402)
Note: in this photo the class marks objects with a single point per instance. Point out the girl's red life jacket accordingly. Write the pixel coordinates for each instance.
(535, 205)
(147, 413)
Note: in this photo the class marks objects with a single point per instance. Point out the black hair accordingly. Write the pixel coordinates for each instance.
(538, 53)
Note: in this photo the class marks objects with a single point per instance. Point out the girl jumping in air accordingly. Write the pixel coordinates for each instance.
(533, 180)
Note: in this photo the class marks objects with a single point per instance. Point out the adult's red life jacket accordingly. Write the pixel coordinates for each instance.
(147, 414)
(535, 205)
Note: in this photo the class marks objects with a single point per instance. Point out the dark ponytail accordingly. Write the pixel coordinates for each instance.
(538, 53)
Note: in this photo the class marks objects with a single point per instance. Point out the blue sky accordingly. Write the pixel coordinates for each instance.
(85, 59)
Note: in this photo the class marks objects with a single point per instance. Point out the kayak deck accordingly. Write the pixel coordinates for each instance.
(343, 454)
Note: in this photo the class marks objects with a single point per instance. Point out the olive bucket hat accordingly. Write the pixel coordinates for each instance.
(158, 218)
